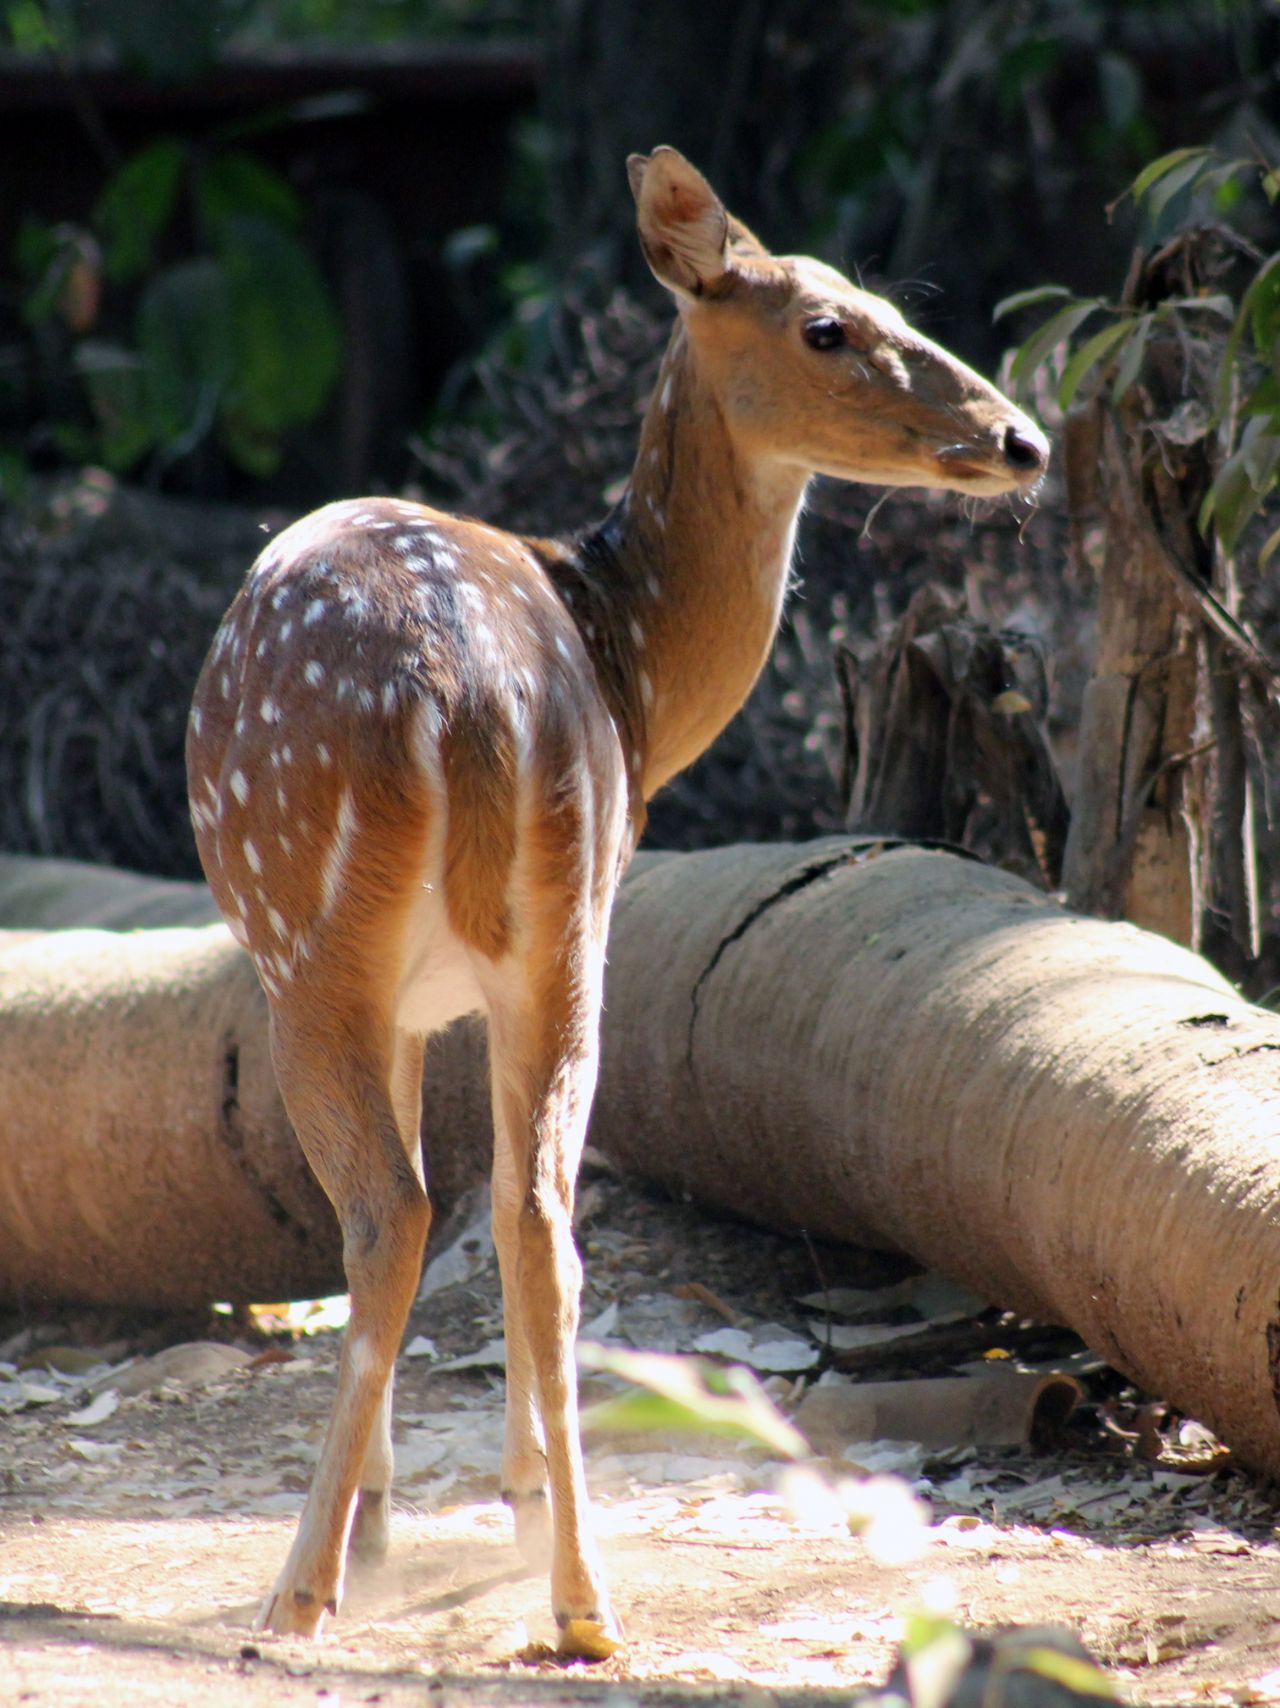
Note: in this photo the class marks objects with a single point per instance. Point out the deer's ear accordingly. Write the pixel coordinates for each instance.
(684, 229)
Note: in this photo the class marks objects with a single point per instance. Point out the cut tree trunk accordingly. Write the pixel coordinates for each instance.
(1133, 849)
(1078, 1119)
(944, 738)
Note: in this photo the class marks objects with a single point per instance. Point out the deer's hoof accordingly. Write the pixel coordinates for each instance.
(292, 1613)
(591, 1639)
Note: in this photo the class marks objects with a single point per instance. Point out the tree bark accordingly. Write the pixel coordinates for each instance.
(1076, 1118)
(1133, 848)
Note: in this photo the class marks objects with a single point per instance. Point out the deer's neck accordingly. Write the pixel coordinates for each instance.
(679, 591)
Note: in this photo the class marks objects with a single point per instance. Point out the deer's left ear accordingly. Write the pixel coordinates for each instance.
(683, 226)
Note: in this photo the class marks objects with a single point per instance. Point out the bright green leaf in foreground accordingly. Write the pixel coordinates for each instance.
(689, 1394)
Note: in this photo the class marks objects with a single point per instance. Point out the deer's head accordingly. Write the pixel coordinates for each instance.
(811, 371)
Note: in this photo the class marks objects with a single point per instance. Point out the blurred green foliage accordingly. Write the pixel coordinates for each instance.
(236, 336)
(937, 140)
(166, 39)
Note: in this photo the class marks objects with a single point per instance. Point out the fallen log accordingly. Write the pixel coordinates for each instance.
(1076, 1118)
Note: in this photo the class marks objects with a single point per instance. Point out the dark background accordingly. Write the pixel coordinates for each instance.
(422, 277)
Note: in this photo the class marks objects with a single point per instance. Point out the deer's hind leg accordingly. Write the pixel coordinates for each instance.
(370, 1530)
(544, 1011)
(335, 1081)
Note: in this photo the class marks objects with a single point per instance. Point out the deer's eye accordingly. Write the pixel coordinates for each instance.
(824, 333)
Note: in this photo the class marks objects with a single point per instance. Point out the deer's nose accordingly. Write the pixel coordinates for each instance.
(1026, 449)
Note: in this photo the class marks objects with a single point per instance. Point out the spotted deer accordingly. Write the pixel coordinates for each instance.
(419, 757)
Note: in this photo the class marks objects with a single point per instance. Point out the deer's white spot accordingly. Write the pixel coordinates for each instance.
(279, 596)
(196, 720)
(314, 671)
(269, 711)
(366, 699)
(339, 849)
(252, 859)
(637, 634)
(654, 587)
(561, 647)
(285, 844)
(286, 628)
(322, 753)
(225, 684)
(286, 754)
(664, 397)
(281, 799)
(240, 786)
(313, 613)
(389, 698)
(277, 923)
(646, 688)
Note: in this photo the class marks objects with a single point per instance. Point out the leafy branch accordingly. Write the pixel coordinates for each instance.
(1244, 400)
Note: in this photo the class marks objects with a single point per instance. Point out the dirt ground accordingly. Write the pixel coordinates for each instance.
(140, 1529)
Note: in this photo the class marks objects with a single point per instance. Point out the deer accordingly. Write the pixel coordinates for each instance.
(419, 754)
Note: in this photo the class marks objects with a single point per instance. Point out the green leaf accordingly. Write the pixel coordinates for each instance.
(1230, 502)
(1073, 1672)
(1027, 299)
(1263, 300)
(186, 342)
(136, 206)
(935, 1655)
(1056, 330)
(235, 184)
(286, 332)
(1219, 304)
(1262, 291)
(1260, 453)
(1130, 363)
(1270, 546)
(1090, 353)
(1157, 169)
(690, 1394)
(1168, 186)
(116, 385)
(44, 254)
(15, 476)
(30, 28)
